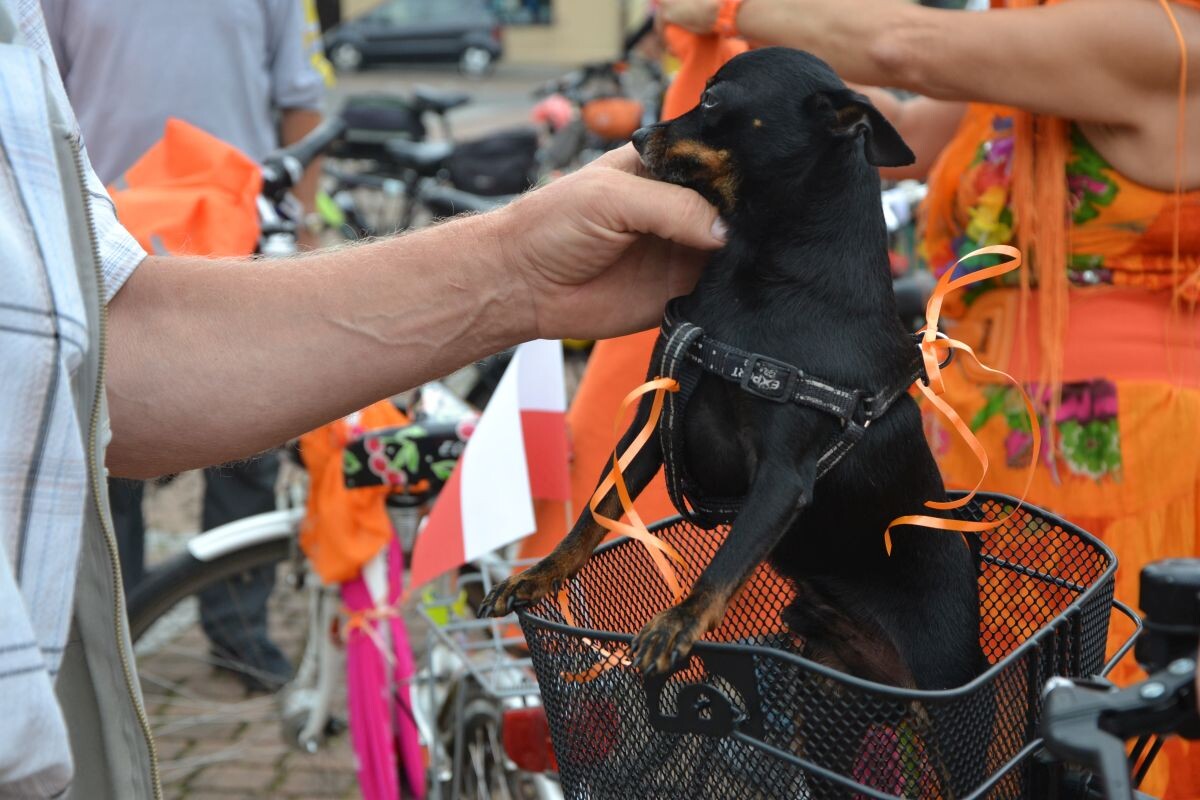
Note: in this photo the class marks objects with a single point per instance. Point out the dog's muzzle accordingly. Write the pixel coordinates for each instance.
(640, 137)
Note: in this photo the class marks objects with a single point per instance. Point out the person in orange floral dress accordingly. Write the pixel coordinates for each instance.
(1069, 130)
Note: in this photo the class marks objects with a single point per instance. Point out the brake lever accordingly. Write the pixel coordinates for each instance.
(1087, 722)
(1071, 729)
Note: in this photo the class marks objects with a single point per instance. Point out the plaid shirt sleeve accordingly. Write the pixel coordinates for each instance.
(119, 251)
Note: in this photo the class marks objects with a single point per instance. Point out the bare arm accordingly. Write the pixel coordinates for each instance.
(1094, 60)
(1112, 65)
(212, 360)
(295, 124)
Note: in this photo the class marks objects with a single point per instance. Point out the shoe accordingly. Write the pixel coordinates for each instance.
(260, 666)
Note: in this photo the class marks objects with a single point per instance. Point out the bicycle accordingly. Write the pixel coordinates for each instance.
(363, 195)
(403, 180)
(468, 679)
(608, 100)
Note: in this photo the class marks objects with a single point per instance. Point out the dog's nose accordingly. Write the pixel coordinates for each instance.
(640, 136)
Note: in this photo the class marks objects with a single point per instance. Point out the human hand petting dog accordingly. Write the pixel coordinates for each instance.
(595, 254)
(581, 248)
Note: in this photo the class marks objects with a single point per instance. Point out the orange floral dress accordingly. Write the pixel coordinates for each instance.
(1121, 458)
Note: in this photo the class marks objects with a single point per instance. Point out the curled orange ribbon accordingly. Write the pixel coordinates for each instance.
(608, 658)
(659, 550)
(661, 553)
(930, 346)
(361, 621)
(357, 620)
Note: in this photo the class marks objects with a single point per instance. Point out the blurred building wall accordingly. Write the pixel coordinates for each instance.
(355, 8)
(582, 30)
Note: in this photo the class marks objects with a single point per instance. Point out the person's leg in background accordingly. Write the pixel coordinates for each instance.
(234, 614)
(125, 501)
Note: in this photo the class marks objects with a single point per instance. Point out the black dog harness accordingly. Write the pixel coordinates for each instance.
(686, 353)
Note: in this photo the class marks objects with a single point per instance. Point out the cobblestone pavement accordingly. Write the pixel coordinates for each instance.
(214, 740)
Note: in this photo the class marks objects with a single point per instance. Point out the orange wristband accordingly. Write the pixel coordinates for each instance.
(726, 24)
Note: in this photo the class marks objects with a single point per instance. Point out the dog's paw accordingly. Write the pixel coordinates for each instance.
(667, 640)
(520, 591)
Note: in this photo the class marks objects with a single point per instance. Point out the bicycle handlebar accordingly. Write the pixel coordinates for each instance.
(283, 169)
(1087, 722)
(317, 140)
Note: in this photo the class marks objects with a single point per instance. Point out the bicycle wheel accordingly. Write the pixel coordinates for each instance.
(185, 575)
(214, 732)
(472, 732)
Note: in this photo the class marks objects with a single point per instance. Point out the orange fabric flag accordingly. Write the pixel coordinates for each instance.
(192, 194)
(344, 528)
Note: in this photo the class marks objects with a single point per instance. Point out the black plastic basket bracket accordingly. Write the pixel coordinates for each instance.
(707, 709)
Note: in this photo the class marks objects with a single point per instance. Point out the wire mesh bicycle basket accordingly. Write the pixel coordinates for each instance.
(748, 717)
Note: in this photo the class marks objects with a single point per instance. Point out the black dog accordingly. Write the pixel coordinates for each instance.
(789, 154)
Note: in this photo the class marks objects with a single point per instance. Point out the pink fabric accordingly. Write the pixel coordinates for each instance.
(382, 728)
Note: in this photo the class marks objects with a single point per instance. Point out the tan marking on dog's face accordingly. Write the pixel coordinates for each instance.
(711, 158)
(715, 167)
(758, 123)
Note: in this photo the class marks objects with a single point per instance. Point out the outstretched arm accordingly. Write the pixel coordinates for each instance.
(1112, 64)
(212, 360)
(1094, 60)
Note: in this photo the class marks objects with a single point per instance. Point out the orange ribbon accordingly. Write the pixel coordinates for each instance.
(357, 620)
(635, 528)
(361, 621)
(609, 658)
(930, 346)
(661, 553)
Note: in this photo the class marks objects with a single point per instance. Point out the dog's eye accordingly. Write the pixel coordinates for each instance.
(707, 100)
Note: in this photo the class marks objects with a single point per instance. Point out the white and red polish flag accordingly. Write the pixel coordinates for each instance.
(518, 452)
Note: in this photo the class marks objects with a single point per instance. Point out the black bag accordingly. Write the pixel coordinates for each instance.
(502, 163)
(372, 119)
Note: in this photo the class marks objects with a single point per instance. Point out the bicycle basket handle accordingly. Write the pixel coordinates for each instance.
(707, 708)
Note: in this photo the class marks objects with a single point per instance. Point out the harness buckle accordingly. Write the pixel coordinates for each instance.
(864, 411)
(769, 379)
(937, 335)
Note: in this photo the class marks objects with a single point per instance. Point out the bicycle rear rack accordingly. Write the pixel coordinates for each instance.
(469, 667)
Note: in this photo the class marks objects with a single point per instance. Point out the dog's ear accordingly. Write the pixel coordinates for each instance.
(853, 116)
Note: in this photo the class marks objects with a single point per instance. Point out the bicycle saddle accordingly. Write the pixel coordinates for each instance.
(446, 201)
(425, 98)
(415, 458)
(424, 158)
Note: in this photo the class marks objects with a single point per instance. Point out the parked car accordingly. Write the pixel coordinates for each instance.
(465, 31)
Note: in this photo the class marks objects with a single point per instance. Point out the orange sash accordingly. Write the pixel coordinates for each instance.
(343, 528)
